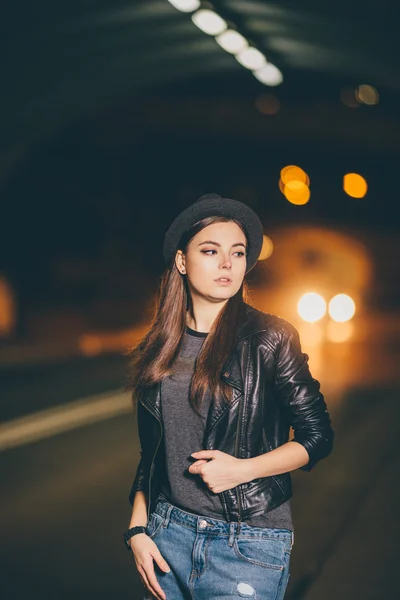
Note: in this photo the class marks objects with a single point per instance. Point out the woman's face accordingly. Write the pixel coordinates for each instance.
(215, 261)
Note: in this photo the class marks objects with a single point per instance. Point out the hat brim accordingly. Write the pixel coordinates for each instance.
(226, 207)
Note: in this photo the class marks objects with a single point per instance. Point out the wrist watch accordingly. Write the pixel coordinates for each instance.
(131, 532)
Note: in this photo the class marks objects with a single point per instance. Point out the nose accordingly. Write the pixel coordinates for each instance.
(226, 262)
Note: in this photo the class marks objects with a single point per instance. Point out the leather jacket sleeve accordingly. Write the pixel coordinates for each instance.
(139, 483)
(304, 404)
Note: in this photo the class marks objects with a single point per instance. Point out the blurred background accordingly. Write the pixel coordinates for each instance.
(115, 116)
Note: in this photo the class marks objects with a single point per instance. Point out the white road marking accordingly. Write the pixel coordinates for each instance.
(52, 421)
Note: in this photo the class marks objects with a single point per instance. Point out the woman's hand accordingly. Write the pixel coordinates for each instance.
(144, 551)
(222, 472)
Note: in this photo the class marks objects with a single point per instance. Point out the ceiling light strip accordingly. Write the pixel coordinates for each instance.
(230, 40)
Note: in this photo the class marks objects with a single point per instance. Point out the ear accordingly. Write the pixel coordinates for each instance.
(180, 262)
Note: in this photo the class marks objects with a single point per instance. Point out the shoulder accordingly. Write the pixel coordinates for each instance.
(265, 325)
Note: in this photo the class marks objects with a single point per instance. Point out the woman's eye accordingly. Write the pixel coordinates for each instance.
(239, 252)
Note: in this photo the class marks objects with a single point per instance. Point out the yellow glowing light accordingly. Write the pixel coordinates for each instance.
(292, 173)
(367, 94)
(295, 185)
(339, 332)
(355, 185)
(297, 192)
(311, 307)
(267, 248)
(342, 308)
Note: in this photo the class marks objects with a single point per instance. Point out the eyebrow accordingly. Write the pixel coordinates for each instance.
(217, 244)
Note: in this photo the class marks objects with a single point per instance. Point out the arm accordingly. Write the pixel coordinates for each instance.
(306, 411)
(137, 498)
(286, 458)
(139, 512)
(140, 481)
(302, 400)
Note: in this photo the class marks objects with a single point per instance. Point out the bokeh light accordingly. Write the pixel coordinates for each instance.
(209, 22)
(268, 74)
(299, 196)
(311, 307)
(296, 192)
(231, 41)
(341, 308)
(367, 94)
(267, 248)
(294, 173)
(251, 58)
(355, 185)
(268, 104)
(185, 5)
(293, 184)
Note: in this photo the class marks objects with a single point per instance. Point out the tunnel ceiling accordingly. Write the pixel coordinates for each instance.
(66, 60)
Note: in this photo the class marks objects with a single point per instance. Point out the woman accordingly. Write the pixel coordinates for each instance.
(217, 385)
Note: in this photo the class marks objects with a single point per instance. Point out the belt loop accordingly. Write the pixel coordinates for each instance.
(231, 533)
(292, 538)
(167, 515)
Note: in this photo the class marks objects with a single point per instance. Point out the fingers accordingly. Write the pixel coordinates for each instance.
(199, 462)
(160, 560)
(144, 554)
(150, 581)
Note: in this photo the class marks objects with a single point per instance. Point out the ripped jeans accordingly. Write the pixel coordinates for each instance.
(209, 559)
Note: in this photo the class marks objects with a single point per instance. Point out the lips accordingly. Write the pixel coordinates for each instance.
(223, 279)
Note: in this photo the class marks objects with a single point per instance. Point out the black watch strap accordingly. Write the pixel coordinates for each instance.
(131, 532)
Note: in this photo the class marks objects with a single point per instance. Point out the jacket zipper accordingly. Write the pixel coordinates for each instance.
(154, 456)
(239, 500)
(237, 487)
(237, 455)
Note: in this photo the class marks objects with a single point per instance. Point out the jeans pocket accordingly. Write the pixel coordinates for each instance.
(265, 552)
(154, 525)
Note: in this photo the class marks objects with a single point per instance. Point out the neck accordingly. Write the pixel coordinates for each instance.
(202, 314)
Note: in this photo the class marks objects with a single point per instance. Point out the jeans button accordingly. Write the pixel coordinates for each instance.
(203, 523)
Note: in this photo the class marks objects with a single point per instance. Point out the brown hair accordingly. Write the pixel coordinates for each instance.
(151, 360)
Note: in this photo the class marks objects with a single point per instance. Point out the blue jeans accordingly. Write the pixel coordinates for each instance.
(209, 559)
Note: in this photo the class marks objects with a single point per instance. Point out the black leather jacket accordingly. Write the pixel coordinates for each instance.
(273, 390)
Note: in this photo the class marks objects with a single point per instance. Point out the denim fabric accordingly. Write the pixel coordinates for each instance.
(210, 558)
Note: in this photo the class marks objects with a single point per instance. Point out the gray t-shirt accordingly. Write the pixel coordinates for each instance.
(183, 434)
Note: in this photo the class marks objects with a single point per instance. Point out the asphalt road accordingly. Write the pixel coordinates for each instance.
(64, 499)
(27, 389)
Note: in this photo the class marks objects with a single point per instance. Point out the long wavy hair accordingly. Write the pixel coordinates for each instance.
(153, 357)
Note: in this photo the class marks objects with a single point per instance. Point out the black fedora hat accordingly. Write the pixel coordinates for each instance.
(211, 205)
